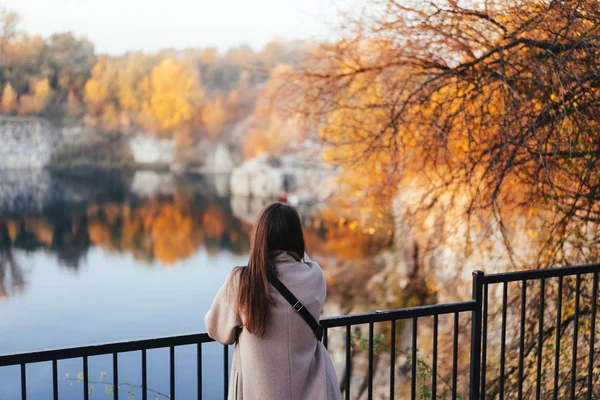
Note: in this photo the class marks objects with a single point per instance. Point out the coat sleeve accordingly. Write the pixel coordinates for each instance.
(323, 283)
(221, 320)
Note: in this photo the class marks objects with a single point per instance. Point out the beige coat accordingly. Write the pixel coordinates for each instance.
(287, 362)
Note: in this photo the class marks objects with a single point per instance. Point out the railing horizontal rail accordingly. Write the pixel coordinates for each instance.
(146, 344)
(103, 349)
(540, 273)
(404, 313)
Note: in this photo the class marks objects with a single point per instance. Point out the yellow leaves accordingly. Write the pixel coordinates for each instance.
(40, 98)
(96, 95)
(214, 114)
(352, 237)
(163, 97)
(9, 99)
(173, 91)
(110, 119)
(128, 99)
(43, 94)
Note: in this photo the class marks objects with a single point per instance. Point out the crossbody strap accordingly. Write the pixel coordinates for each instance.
(296, 305)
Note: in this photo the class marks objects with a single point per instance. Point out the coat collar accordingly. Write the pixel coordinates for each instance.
(285, 256)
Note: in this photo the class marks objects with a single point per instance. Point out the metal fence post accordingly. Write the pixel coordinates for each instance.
(475, 367)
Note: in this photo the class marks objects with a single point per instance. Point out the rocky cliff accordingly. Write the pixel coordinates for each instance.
(27, 142)
(35, 143)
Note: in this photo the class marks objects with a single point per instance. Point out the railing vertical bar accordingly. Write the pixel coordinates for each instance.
(325, 337)
(393, 360)
(348, 359)
(172, 370)
(144, 376)
(55, 379)
(455, 356)
(484, 342)
(475, 370)
(199, 361)
(503, 340)
(592, 338)
(558, 334)
(86, 391)
(23, 382)
(434, 355)
(225, 371)
(575, 334)
(370, 380)
(116, 376)
(413, 378)
(522, 336)
(538, 387)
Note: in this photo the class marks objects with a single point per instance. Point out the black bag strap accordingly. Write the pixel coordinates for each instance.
(296, 305)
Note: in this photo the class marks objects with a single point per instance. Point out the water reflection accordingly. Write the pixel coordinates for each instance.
(151, 216)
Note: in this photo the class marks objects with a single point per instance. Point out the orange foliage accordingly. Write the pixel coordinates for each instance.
(9, 99)
(484, 104)
(213, 222)
(174, 235)
(99, 234)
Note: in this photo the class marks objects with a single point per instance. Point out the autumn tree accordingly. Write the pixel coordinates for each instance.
(8, 31)
(9, 99)
(74, 106)
(100, 95)
(172, 94)
(40, 97)
(70, 59)
(214, 114)
(270, 129)
(483, 113)
(58, 64)
(160, 93)
(134, 70)
(491, 100)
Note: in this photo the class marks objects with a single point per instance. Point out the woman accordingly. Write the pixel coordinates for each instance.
(277, 355)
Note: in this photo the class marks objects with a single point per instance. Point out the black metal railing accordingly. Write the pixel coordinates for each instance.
(412, 315)
(478, 312)
(533, 345)
(115, 349)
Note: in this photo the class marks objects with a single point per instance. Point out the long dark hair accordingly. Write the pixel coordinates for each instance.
(277, 228)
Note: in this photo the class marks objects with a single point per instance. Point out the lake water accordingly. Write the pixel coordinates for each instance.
(110, 257)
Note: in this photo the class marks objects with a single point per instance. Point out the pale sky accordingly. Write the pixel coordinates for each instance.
(117, 26)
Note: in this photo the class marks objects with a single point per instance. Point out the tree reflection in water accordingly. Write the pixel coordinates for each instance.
(12, 280)
(105, 211)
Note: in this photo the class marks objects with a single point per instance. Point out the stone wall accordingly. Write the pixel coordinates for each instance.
(34, 143)
(268, 177)
(147, 149)
(27, 142)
